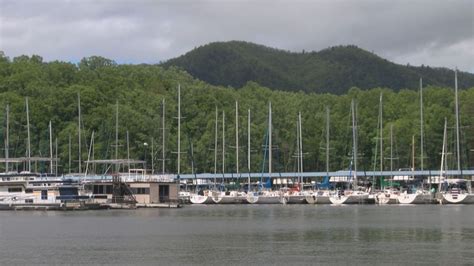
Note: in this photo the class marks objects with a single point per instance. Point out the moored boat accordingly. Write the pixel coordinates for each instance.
(456, 192)
(198, 198)
(264, 197)
(229, 197)
(418, 197)
(388, 196)
(349, 197)
(318, 197)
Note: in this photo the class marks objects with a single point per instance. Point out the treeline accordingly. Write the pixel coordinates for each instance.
(52, 89)
(334, 70)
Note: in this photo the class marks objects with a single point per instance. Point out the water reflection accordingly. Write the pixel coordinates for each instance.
(250, 234)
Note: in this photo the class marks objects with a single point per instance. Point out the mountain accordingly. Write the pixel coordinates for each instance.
(52, 89)
(334, 70)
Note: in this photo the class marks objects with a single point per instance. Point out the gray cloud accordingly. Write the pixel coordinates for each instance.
(436, 33)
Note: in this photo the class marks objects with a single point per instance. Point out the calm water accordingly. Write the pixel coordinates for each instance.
(246, 234)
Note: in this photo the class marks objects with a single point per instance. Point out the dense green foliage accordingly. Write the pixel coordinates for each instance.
(334, 70)
(52, 89)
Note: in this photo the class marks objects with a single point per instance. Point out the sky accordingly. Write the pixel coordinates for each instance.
(430, 32)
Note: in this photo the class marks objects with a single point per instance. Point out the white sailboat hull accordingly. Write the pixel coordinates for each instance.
(252, 198)
(229, 199)
(454, 198)
(200, 199)
(349, 199)
(264, 198)
(318, 197)
(383, 198)
(415, 198)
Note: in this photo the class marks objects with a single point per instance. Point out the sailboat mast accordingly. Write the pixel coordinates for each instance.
(413, 156)
(270, 139)
(237, 136)
(297, 153)
(248, 146)
(391, 148)
(458, 152)
(69, 153)
(443, 152)
(179, 129)
(421, 127)
(300, 149)
(163, 135)
(28, 130)
(89, 153)
(223, 143)
(354, 141)
(50, 147)
(116, 134)
(381, 134)
(7, 141)
(152, 155)
(192, 158)
(128, 154)
(56, 156)
(215, 146)
(327, 141)
(79, 129)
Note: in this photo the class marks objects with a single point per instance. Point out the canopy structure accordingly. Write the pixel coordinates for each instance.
(115, 161)
(26, 159)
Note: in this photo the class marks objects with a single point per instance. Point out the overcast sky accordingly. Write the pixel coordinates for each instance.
(430, 32)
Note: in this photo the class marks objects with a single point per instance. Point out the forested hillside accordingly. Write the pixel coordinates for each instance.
(334, 70)
(52, 89)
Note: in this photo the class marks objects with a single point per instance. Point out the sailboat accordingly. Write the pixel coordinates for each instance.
(456, 190)
(417, 195)
(203, 196)
(354, 195)
(387, 195)
(414, 195)
(297, 195)
(266, 196)
(233, 196)
(321, 194)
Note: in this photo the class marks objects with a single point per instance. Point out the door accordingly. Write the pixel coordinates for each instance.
(164, 193)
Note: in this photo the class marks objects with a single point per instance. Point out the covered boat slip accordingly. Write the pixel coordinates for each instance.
(144, 192)
(404, 191)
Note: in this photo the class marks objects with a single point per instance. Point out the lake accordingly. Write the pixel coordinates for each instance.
(241, 234)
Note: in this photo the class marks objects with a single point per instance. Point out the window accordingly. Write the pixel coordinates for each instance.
(44, 194)
(140, 190)
(28, 190)
(14, 189)
(28, 200)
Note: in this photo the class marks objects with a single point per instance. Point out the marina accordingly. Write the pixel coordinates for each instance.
(124, 186)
